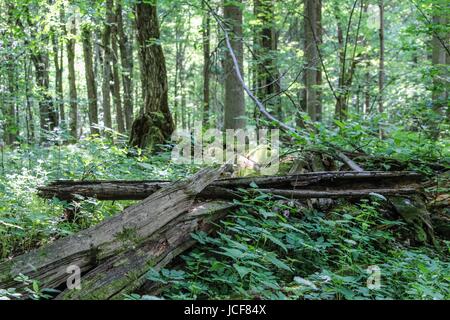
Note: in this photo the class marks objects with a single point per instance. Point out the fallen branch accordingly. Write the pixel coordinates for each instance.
(228, 188)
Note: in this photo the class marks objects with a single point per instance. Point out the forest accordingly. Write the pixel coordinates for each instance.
(232, 149)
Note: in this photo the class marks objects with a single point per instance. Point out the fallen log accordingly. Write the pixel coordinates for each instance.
(126, 272)
(315, 184)
(110, 238)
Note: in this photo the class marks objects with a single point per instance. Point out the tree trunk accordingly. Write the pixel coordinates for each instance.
(57, 54)
(440, 58)
(319, 67)
(206, 65)
(117, 99)
(311, 57)
(29, 111)
(319, 183)
(267, 82)
(73, 124)
(381, 74)
(155, 125)
(126, 58)
(106, 44)
(234, 93)
(47, 114)
(91, 84)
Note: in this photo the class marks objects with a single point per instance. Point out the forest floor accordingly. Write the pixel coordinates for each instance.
(266, 248)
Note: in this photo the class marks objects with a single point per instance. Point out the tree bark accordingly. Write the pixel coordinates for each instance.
(311, 57)
(155, 125)
(440, 58)
(73, 124)
(381, 73)
(117, 99)
(267, 81)
(58, 62)
(234, 93)
(126, 58)
(91, 84)
(48, 116)
(319, 37)
(126, 272)
(107, 55)
(206, 32)
(309, 183)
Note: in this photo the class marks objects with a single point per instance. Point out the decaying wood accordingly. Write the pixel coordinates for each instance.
(315, 184)
(111, 238)
(125, 272)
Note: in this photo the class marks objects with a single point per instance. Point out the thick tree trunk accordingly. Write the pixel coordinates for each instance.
(107, 55)
(126, 59)
(155, 125)
(73, 124)
(234, 93)
(91, 84)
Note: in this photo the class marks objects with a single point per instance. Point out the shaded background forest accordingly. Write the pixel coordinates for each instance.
(71, 68)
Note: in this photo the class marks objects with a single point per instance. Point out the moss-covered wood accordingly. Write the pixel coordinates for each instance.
(113, 237)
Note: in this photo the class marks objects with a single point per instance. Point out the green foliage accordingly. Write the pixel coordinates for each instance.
(269, 249)
(27, 221)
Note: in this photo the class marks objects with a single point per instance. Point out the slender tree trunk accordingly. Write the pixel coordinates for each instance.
(58, 77)
(302, 81)
(381, 74)
(106, 44)
(234, 93)
(155, 125)
(126, 58)
(180, 96)
(206, 65)
(58, 53)
(176, 104)
(117, 99)
(10, 128)
(319, 67)
(29, 111)
(341, 110)
(366, 58)
(311, 57)
(440, 59)
(91, 84)
(72, 81)
(267, 82)
(47, 115)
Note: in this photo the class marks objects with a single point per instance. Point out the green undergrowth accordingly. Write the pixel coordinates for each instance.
(27, 221)
(266, 249)
(269, 249)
